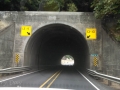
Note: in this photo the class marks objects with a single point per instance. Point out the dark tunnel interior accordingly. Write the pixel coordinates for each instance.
(50, 43)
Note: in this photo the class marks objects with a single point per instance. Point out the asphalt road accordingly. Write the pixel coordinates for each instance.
(62, 78)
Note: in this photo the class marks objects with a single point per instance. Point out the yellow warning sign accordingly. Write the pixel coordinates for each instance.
(17, 58)
(95, 61)
(26, 30)
(91, 33)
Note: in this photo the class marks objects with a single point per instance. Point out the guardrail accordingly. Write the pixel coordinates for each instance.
(109, 78)
(14, 69)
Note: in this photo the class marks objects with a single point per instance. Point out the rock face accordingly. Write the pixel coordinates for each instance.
(109, 24)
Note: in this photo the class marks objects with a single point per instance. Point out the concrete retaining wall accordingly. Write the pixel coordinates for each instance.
(6, 46)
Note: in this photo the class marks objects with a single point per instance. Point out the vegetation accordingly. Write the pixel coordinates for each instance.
(59, 5)
(19, 5)
(69, 56)
(103, 8)
(45, 5)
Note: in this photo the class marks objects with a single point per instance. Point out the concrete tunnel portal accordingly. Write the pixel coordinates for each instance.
(50, 43)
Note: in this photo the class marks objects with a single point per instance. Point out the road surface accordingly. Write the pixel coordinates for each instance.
(61, 78)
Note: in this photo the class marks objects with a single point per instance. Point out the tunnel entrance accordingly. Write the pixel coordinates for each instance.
(50, 43)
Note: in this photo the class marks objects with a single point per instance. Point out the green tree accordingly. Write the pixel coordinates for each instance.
(106, 7)
(68, 56)
(19, 5)
(103, 8)
(29, 5)
(45, 5)
(9, 5)
(59, 5)
(83, 5)
(72, 5)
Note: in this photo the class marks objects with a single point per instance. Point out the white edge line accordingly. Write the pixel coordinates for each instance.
(19, 76)
(89, 81)
(28, 88)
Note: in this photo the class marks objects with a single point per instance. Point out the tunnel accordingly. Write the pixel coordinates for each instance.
(50, 43)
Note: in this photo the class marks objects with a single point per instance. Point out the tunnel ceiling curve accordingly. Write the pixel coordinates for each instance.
(51, 42)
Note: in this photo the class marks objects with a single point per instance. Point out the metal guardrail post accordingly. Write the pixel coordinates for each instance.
(103, 76)
(109, 83)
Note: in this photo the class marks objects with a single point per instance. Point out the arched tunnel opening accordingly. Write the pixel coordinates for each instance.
(50, 43)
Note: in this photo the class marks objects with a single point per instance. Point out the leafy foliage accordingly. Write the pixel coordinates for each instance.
(104, 8)
(69, 56)
(118, 25)
(83, 5)
(19, 5)
(72, 7)
(9, 5)
(51, 5)
(29, 5)
(59, 5)
(45, 5)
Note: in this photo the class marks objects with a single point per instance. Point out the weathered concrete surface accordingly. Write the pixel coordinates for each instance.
(5, 19)
(3, 25)
(107, 50)
(6, 46)
(79, 21)
(111, 48)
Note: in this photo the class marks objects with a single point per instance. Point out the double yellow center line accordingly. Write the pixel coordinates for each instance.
(53, 77)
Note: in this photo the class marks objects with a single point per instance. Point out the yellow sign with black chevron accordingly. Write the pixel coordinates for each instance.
(17, 58)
